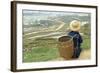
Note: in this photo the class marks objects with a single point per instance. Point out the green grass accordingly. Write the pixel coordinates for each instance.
(45, 49)
(40, 42)
(86, 43)
(40, 54)
(42, 49)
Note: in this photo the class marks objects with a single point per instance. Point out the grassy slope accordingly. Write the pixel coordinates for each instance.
(86, 43)
(46, 50)
(41, 54)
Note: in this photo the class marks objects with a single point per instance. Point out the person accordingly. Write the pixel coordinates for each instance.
(75, 26)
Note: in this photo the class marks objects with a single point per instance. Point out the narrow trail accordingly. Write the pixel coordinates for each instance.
(85, 54)
(58, 28)
(61, 25)
(38, 36)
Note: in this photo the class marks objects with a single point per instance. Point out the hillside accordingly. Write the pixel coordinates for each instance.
(41, 30)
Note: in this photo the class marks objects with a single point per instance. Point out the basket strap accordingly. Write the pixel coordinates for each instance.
(77, 40)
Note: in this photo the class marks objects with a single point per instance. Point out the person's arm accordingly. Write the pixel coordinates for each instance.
(80, 39)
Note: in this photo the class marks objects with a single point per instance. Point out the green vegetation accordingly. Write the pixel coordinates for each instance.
(86, 43)
(45, 49)
(42, 49)
(40, 54)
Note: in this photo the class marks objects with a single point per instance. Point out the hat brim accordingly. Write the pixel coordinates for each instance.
(75, 29)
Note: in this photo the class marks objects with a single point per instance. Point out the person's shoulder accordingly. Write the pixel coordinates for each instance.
(69, 32)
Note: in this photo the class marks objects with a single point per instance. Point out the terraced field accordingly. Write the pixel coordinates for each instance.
(42, 46)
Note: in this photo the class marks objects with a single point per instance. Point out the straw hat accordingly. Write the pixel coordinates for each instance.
(75, 25)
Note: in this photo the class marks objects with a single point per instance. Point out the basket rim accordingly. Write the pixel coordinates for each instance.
(68, 40)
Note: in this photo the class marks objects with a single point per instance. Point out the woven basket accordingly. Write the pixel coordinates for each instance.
(65, 46)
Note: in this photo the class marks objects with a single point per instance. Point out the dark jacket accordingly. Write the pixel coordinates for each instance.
(77, 39)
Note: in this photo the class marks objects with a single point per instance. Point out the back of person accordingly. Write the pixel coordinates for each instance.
(77, 39)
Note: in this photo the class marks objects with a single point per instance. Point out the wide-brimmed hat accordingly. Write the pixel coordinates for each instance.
(75, 25)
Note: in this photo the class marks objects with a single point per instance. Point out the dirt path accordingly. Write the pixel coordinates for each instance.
(85, 54)
(61, 25)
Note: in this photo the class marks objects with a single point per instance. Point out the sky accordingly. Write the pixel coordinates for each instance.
(38, 12)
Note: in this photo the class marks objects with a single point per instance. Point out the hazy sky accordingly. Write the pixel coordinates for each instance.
(34, 12)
